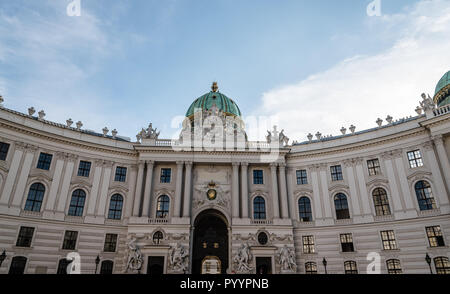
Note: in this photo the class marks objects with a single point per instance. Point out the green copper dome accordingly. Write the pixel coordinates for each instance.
(442, 93)
(221, 101)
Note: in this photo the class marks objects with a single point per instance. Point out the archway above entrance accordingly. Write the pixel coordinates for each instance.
(210, 243)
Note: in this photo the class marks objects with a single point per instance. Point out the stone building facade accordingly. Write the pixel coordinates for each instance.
(330, 204)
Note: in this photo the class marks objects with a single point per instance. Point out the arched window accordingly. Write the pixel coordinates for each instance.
(18, 264)
(77, 203)
(310, 268)
(381, 202)
(442, 265)
(341, 205)
(259, 208)
(115, 207)
(304, 209)
(107, 267)
(393, 266)
(35, 197)
(350, 267)
(424, 195)
(157, 237)
(162, 207)
(62, 266)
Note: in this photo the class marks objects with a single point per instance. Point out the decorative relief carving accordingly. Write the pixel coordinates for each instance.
(242, 260)
(179, 258)
(135, 260)
(286, 259)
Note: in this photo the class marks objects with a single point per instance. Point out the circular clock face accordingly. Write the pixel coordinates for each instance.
(211, 194)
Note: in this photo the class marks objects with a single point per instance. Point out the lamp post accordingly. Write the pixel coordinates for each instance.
(2, 257)
(97, 261)
(428, 260)
(324, 262)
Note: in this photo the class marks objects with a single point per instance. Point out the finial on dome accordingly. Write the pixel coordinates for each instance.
(214, 87)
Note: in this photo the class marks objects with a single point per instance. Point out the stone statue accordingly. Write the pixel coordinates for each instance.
(269, 137)
(243, 258)
(286, 258)
(134, 256)
(149, 133)
(283, 138)
(427, 103)
(178, 258)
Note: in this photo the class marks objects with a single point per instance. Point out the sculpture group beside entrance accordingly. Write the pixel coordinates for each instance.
(134, 263)
(179, 259)
(243, 259)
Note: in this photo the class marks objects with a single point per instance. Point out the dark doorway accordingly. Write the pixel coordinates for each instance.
(210, 240)
(155, 265)
(264, 265)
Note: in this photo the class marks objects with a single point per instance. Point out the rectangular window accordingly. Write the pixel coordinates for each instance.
(415, 159)
(70, 240)
(347, 243)
(121, 174)
(435, 237)
(308, 244)
(44, 161)
(165, 175)
(388, 239)
(336, 173)
(374, 167)
(4, 147)
(258, 177)
(84, 169)
(302, 178)
(110, 243)
(25, 237)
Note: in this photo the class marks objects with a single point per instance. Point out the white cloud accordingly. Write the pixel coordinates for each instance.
(361, 89)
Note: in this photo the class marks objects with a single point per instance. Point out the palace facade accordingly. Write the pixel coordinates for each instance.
(75, 200)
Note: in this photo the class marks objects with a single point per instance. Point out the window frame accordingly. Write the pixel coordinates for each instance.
(110, 244)
(22, 240)
(350, 244)
(4, 153)
(424, 196)
(341, 213)
(301, 176)
(35, 204)
(388, 240)
(435, 236)
(13, 259)
(311, 268)
(165, 178)
(397, 266)
(354, 267)
(444, 269)
(162, 206)
(336, 173)
(107, 265)
(373, 167)
(84, 168)
(304, 209)
(258, 177)
(413, 160)
(115, 212)
(121, 174)
(155, 237)
(44, 161)
(381, 202)
(309, 247)
(259, 214)
(77, 207)
(70, 238)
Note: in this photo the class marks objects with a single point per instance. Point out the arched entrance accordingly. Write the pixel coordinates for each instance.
(210, 243)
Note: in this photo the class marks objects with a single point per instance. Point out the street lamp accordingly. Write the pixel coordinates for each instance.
(97, 261)
(324, 262)
(428, 260)
(2, 257)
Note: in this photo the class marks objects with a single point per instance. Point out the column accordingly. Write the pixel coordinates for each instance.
(12, 173)
(95, 187)
(352, 185)
(68, 172)
(187, 190)
(363, 189)
(395, 189)
(102, 204)
(178, 189)
(146, 206)
(235, 190)
(23, 177)
(437, 177)
(55, 182)
(244, 189)
(315, 183)
(290, 189)
(283, 190)
(443, 159)
(131, 179)
(138, 191)
(276, 207)
(325, 204)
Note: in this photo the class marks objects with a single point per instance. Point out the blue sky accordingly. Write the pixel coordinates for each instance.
(315, 65)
